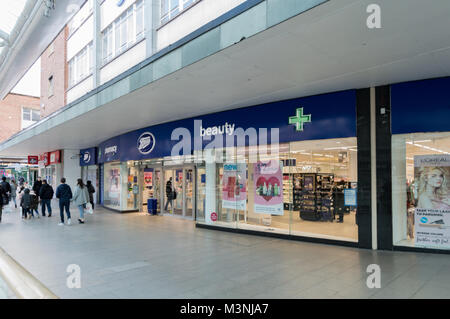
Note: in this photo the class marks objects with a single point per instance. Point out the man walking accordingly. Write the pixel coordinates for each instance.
(64, 194)
(46, 194)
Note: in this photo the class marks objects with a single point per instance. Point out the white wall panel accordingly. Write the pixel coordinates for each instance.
(123, 62)
(80, 89)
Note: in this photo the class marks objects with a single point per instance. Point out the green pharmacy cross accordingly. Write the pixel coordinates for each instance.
(299, 119)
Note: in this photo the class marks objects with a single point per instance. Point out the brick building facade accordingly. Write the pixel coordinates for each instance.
(11, 113)
(54, 75)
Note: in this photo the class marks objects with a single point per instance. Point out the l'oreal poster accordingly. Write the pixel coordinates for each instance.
(432, 212)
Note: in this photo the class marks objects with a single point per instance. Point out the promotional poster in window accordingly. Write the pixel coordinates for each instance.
(432, 212)
(234, 181)
(268, 177)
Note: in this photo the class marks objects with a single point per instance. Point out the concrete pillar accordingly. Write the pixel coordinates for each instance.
(71, 167)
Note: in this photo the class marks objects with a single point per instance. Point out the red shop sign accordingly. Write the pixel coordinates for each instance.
(43, 159)
(54, 157)
(33, 160)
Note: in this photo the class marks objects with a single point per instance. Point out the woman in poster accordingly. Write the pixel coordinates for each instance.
(433, 189)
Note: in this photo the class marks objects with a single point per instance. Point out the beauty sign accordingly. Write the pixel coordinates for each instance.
(432, 212)
(234, 192)
(268, 187)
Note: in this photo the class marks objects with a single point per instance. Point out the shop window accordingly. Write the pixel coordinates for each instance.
(421, 190)
(121, 190)
(309, 189)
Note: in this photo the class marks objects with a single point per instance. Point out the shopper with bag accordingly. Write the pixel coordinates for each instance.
(91, 191)
(81, 198)
(64, 194)
(34, 204)
(7, 189)
(14, 192)
(46, 194)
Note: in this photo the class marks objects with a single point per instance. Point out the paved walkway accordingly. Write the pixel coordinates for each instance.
(141, 256)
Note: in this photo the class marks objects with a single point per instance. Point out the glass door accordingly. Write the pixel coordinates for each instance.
(151, 179)
(189, 190)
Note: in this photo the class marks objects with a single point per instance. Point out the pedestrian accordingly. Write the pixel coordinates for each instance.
(46, 194)
(169, 194)
(37, 186)
(21, 181)
(2, 195)
(81, 198)
(64, 194)
(14, 192)
(25, 203)
(7, 188)
(34, 204)
(91, 191)
(20, 194)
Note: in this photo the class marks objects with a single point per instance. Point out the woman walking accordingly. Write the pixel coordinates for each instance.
(14, 192)
(81, 198)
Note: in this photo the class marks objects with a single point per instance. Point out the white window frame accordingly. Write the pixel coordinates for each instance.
(174, 11)
(114, 32)
(81, 65)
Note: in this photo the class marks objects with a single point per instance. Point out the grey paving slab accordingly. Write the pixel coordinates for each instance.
(141, 256)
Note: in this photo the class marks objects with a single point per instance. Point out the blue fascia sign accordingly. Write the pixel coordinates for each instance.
(323, 116)
(88, 156)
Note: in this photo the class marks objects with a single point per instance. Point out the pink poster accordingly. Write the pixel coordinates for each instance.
(148, 178)
(234, 190)
(268, 183)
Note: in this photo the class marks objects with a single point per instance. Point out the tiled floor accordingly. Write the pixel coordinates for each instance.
(141, 256)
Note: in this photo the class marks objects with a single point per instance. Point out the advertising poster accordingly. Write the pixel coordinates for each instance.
(148, 177)
(268, 186)
(234, 191)
(114, 186)
(432, 212)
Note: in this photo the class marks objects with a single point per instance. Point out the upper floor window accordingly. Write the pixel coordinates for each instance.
(123, 32)
(81, 65)
(29, 116)
(171, 8)
(81, 16)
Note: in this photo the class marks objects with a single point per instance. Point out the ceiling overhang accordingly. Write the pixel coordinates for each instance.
(326, 49)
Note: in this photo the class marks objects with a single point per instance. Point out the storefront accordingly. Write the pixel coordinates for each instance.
(50, 167)
(421, 164)
(286, 168)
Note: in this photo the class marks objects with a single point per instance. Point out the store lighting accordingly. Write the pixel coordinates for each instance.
(330, 156)
(318, 154)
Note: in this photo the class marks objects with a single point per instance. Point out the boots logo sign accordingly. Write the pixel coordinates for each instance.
(146, 143)
(87, 157)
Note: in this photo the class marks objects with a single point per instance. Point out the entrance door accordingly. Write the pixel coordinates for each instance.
(152, 187)
(178, 191)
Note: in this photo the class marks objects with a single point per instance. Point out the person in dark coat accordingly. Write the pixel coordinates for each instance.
(169, 193)
(37, 186)
(46, 195)
(64, 194)
(25, 203)
(34, 204)
(2, 194)
(91, 191)
(7, 189)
